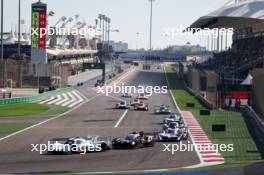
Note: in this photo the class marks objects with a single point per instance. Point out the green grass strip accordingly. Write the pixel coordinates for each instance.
(237, 132)
(25, 109)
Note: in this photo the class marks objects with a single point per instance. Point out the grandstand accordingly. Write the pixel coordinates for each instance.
(245, 56)
(246, 18)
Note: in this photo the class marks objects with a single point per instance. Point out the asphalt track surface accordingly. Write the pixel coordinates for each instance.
(96, 117)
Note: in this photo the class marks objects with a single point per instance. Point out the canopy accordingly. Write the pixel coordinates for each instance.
(61, 52)
(248, 80)
(237, 14)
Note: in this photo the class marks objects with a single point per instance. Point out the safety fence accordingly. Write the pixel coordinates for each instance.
(28, 99)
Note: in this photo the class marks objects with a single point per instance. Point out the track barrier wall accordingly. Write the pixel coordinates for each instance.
(29, 99)
(257, 124)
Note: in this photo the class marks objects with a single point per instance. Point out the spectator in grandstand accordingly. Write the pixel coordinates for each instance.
(230, 103)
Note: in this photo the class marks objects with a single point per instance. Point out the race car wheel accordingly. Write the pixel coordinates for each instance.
(103, 147)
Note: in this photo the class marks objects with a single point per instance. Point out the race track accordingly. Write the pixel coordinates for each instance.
(96, 117)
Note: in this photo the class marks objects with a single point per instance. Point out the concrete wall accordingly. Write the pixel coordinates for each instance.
(16, 69)
(182, 70)
(193, 80)
(258, 91)
(60, 71)
(211, 93)
(197, 79)
(18, 92)
(13, 71)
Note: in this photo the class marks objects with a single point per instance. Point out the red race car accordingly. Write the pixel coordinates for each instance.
(141, 107)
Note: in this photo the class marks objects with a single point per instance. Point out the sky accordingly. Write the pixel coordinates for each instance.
(128, 16)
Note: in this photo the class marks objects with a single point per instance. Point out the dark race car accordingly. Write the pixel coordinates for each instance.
(99, 83)
(133, 140)
(80, 84)
(162, 110)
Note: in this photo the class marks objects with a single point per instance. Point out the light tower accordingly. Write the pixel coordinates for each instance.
(150, 27)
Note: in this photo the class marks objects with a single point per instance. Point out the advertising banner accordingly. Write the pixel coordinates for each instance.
(38, 22)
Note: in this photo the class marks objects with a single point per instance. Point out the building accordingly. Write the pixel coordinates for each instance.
(119, 46)
(191, 48)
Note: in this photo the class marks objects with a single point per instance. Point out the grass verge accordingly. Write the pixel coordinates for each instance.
(30, 109)
(8, 128)
(55, 110)
(24, 109)
(237, 132)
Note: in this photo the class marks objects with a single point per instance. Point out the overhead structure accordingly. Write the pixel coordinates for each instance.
(69, 20)
(237, 14)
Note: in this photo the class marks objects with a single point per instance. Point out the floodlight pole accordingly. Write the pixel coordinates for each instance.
(2, 43)
(2, 28)
(137, 41)
(103, 17)
(19, 28)
(150, 28)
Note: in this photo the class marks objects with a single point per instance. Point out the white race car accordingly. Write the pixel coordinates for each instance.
(122, 105)
(81, 145)
(127, 95)
(177, 134)
(142, 96)
(173, 118)
(171, 125)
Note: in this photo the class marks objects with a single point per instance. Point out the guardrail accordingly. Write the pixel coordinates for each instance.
(28, 99)
(257, 124)
(199, 97)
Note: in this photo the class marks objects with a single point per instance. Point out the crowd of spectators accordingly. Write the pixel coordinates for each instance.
(245, 53)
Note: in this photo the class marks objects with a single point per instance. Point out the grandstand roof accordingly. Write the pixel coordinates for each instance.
(61, 52)
(235, 14)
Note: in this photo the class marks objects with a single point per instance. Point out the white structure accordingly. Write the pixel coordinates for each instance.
(236, 14)
(193, 48)
(241, 8)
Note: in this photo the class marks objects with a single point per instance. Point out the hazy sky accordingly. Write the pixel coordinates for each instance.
(129, 16)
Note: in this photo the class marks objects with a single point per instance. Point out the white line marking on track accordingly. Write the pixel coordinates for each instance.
(121, 118)
(70, 101)
(65, 96)
(57, 99)
(47, 100)
(78, 101)
(48, 120)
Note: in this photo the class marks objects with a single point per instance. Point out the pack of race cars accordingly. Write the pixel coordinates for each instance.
(173, 129)
(137, 104)
(83, 145)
